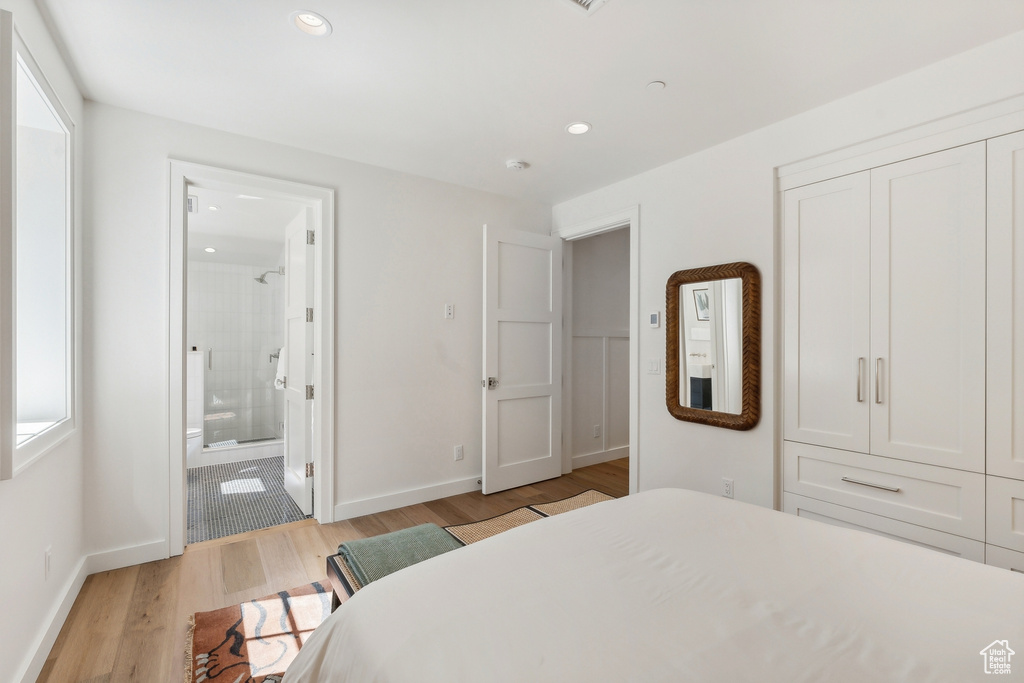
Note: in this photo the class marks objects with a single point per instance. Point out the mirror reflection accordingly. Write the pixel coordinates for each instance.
(710, 337)
(713, 345)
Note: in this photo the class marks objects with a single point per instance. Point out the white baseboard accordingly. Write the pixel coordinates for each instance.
(32, 667)
(599, 457)
(127, 556)
(89, 564)
(369, 506)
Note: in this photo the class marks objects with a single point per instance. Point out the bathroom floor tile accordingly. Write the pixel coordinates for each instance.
(237, 497)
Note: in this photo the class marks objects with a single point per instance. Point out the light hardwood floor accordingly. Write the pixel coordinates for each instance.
(130, 624)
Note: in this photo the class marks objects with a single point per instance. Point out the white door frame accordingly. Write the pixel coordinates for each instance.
(183, 174)
(628, 217)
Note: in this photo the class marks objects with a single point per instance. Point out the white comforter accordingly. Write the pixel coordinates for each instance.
(673, 585)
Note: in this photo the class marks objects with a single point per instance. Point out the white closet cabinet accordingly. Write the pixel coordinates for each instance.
(884, 348)
(1005, 453)
(885, 314)
(827, 295)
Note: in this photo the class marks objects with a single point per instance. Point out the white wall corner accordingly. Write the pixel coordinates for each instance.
(390, 501)
(599, 457)
(127, 556)
(33, 663)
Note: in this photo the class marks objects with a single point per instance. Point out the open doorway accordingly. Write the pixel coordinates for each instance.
(251, 353)
(236, 364)
(624, 224)
(597, 319)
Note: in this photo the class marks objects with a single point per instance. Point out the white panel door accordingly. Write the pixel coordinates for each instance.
(298, 442)
(928, 309)
(1005, 446)
(522, 356)
(827, 296)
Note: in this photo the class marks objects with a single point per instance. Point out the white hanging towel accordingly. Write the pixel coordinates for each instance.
(282, 367)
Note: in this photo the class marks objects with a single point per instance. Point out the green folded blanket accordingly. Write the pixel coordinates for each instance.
(372, 558)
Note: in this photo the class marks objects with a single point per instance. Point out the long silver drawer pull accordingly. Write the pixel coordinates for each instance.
(209, 358)
(894, 489)
(878, 380)
(860, 380)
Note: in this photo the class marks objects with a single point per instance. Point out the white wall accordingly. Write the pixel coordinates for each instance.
(407, 380)
(718, 206)
(600, 346)
(42, 506)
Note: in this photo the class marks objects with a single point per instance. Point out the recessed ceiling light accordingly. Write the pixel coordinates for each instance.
(656, 85)
(516, 165)
(209, 250)
(310, 23)
(578, 128)
(213, 207)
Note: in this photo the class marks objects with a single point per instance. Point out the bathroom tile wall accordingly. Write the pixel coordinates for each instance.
(242, 322)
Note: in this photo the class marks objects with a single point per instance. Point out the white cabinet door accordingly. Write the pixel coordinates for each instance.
(827, 226)
(1007, 559)
(1004, 517)
(1005, 448)
(928, 309)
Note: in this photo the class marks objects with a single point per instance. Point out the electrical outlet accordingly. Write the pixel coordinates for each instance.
(728, 488)
(46, 562)
(459, 452)
(597, 431)
(449, 311)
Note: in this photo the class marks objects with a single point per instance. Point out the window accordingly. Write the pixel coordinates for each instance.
(37, 332)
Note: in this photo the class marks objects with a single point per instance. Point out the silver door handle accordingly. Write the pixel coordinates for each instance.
(878, 380)
(491, 383)
(860, 380)
(894, 489)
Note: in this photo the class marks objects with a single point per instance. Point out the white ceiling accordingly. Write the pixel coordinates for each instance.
(244, 228)
(451, 89)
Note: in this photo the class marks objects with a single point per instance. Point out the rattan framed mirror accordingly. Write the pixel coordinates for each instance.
(713, 345)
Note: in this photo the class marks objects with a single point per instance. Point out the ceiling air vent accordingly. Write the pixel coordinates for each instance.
(589, 6)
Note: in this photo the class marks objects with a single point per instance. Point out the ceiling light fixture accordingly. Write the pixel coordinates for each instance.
(310, 23)
(516, 165)
(213, 207)
(209, 250)
(656, 85)
(577, 128)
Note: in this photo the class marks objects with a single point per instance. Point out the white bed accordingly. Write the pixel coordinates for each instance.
(673, 585)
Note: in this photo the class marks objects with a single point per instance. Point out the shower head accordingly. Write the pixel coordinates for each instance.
(262, 279)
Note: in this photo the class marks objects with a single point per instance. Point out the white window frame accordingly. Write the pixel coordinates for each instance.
(14, 457)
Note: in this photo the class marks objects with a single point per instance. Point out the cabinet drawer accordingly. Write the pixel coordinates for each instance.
(1007, 559)
(1005, 513)
(935, 497)
(837, 515)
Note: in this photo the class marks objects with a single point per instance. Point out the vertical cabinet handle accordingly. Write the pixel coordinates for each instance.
(209, 358)
(860, 380)
(878, 380)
